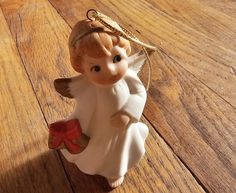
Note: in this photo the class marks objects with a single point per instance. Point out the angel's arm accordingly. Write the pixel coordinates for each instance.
(137, 99)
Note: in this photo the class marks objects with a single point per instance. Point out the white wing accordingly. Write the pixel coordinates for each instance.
(137, 60)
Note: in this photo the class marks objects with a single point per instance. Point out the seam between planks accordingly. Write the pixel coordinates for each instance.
(31, 84)
(187, 71)
(205, 36)
(60, 14)
(64, 168)
(175, 20)
(66, 173)
(180, 159)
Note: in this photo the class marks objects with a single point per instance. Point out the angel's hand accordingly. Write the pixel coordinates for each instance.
(120, 120)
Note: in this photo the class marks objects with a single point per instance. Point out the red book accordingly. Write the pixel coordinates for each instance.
(65, 134)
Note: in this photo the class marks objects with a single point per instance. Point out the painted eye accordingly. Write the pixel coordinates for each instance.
(95, 68)
(116, 59)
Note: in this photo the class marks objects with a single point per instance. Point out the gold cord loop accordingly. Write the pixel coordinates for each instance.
(91, 14)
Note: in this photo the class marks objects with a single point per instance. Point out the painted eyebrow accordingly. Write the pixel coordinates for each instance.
(116, 53)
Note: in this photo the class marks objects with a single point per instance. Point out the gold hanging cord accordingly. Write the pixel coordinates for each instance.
(92, 14)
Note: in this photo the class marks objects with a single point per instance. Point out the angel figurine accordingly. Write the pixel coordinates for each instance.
(103, 135)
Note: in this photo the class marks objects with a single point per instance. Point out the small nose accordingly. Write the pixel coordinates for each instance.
(112, 69)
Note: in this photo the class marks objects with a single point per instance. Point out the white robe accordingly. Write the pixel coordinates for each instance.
(110, 151)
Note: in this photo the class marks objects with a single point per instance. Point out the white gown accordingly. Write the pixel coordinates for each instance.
(110, 151)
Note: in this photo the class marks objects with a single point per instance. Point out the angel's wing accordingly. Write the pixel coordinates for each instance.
(137, 60)
(69, 87)
(62, 86)
(65, 86)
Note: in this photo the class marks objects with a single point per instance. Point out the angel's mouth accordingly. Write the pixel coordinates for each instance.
(114, 78)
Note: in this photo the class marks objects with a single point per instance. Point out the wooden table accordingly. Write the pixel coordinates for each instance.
(191, 108)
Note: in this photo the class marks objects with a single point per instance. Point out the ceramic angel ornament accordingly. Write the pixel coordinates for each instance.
(103, 135)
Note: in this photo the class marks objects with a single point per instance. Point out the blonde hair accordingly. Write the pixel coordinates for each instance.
(94, 44)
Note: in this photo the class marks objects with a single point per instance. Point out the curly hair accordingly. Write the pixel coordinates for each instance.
(84, 41)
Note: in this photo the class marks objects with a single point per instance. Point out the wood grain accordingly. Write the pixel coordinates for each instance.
(41, 37)
(191, 81)
(196, 123)
(226, 6)
(191, 102)
(37, 26)
(202, 56)
(214, 24)
(26, 165)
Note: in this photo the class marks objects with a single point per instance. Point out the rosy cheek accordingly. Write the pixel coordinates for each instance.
(98, 78)
(123, 68)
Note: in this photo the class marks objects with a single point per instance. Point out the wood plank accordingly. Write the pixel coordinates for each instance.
(160, 170)
(26, 165)
(226, 6)
(41, 37)
(197, 123)
(211, 63)
(215, 24)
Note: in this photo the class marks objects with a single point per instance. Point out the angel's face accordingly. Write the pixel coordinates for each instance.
(108, 70)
